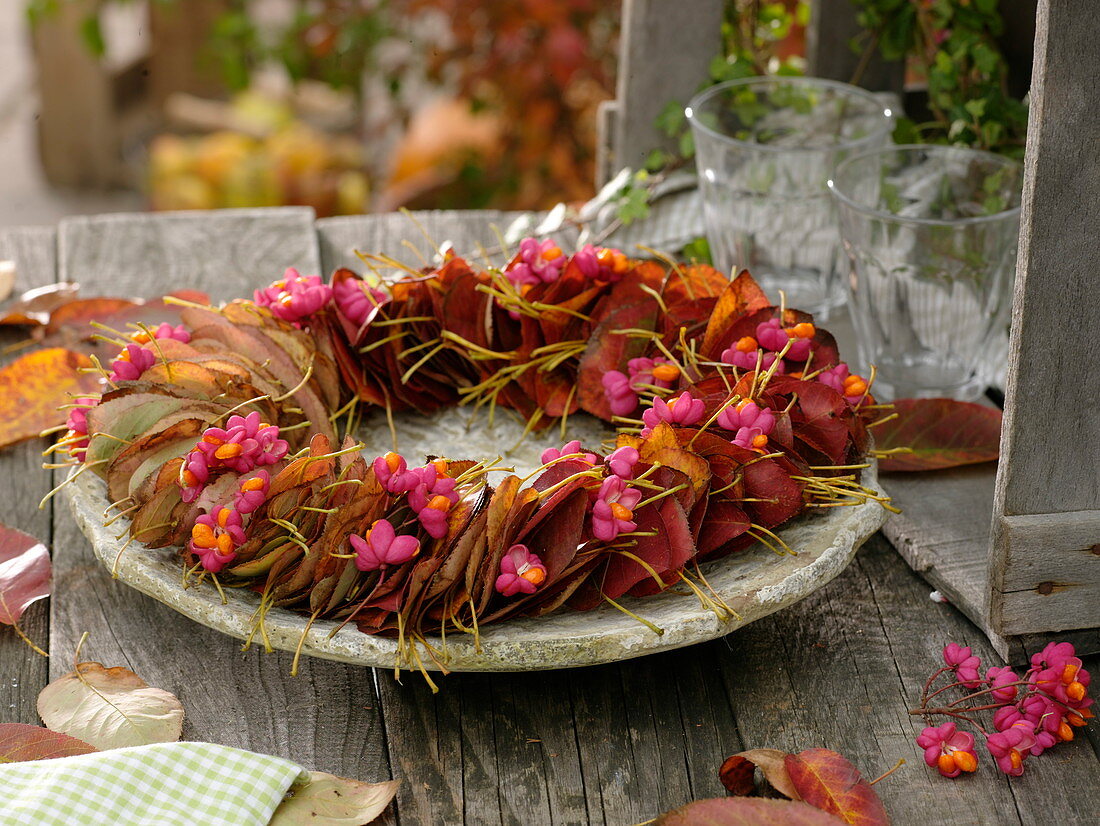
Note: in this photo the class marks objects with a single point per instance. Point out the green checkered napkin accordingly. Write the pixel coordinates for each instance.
(166, 784)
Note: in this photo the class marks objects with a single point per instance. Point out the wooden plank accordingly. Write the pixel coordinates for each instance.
(943, 533)
(1051, 439)
(829, 54)
(23, 483)
(665, 53)
(328, 717)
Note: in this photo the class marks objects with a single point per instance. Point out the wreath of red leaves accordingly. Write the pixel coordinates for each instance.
(310, 358)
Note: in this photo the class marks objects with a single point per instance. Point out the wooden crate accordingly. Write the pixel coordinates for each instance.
(1015, 546)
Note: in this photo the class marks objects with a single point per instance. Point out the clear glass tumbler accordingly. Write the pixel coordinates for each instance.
(931, 233)
(765, 148)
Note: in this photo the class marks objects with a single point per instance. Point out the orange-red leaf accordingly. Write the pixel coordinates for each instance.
(942, 433)
(20, 742)
(746, 811)
(25, 573)
(33, 386)
(830, 782)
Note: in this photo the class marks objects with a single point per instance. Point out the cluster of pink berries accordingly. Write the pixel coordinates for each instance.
(294, 297)
(1031, 712)
(614, 503)
(542, 262)
(766, 348)
(136, 358)
(244, 446)
(429, 493)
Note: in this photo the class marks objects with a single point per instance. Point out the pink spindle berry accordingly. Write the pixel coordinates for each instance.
(537, 263)
(131, 363)
(357, 300)
(685, 410)
(621, 462)
(432, 499)
(948, 750)
(381, 547)
(76, 438)
(1001, 680)
(215, 538)
(751, 424)
(294, 297)
(1009, 748)
(602, 263)
(572, 449)
(393, 473)
(613, 510)
(620, 397)
(658, 372)
(165, 330)
(521, 572)
(251, 491)
(1054, 655)
(964, 663)
(745, 354)
(243, 444)
(852, 387)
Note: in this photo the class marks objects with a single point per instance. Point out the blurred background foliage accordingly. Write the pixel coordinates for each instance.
(357, 105)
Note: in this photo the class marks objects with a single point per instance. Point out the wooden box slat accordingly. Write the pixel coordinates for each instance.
(1046, 513)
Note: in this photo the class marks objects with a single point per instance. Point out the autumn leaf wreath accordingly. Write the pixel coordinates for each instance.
(232, 436)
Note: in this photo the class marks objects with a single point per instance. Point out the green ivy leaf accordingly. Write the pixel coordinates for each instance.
(92, 35)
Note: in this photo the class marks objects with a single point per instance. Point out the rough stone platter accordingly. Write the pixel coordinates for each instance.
(754, 583)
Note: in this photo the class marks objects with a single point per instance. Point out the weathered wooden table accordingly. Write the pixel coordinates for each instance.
(613, 744)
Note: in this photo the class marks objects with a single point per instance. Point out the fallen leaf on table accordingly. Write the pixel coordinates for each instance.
(20, 742)
(328, 800)
(737, 772)
(942, 433)
(830, 782)
(35, 306)
(110, 708)
(746, 811)
(25, 572)
(33, 386)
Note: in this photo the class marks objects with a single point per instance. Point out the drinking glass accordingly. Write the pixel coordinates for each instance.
(765, 148)
(931, 234)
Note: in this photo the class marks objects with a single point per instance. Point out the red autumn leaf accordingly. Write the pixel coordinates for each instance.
(82, 311)
(942, 433)
(32, 388)
(20, 743)
(24, 573)
(737, 772)
(830, 782)
(746, 811)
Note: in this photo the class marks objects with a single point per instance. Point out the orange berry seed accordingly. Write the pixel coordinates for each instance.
(966, 761)
(746, 344)
(536, 576)
(666, 372)
(229, 451)
(621, 511)
(440, 503)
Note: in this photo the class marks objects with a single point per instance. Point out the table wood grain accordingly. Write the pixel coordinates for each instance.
(614, 744)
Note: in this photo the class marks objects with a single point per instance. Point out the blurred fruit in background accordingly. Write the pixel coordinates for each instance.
(267, 158)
